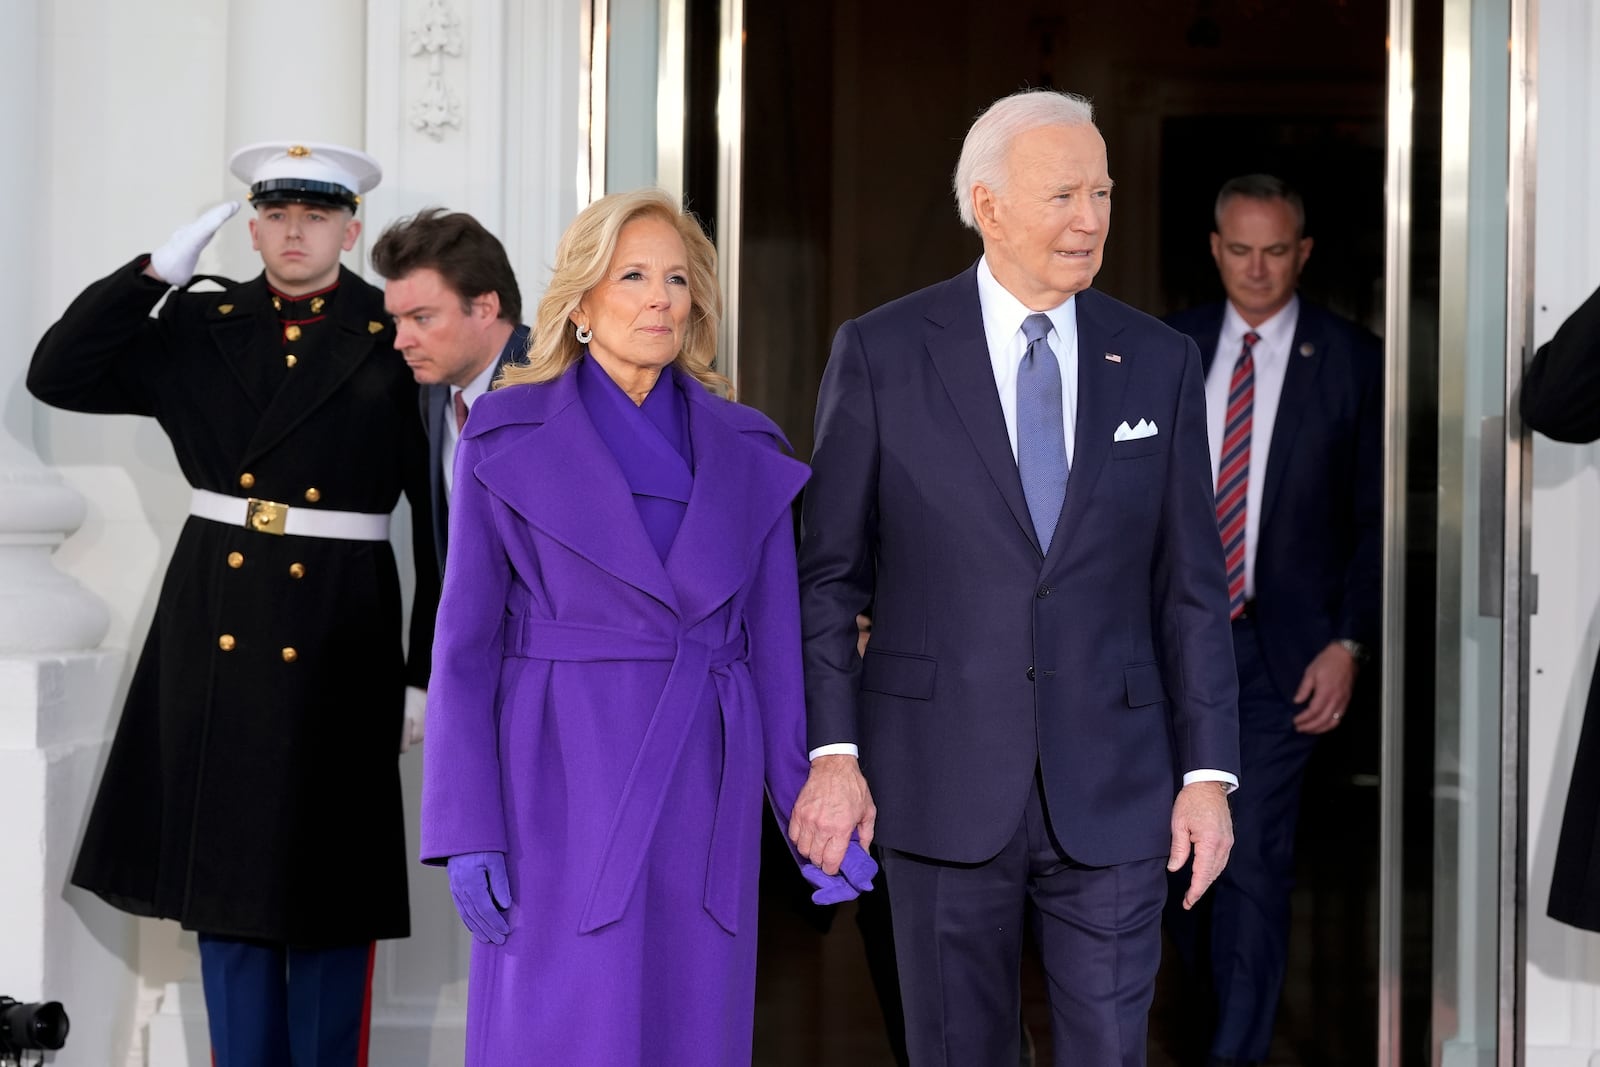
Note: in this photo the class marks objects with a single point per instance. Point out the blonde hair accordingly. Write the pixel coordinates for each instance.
(582, 259)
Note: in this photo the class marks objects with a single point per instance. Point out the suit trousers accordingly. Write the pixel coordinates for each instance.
(268, 1005)
(1248, 948)
(958, 933)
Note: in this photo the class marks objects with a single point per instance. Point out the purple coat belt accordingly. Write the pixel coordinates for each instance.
(694, 665)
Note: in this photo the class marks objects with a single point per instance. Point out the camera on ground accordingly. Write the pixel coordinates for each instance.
(30, 1027)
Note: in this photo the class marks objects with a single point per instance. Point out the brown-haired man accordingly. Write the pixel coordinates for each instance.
(457, 313)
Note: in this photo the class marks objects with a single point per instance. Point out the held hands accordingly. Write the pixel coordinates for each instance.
(416, 714)
(1201, 823)
(834, 803)
(855, 877)
(478, 882)
(174, 262)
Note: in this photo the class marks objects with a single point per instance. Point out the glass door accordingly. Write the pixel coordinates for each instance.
(1453, 674)
(1472, 287)
(636, 96)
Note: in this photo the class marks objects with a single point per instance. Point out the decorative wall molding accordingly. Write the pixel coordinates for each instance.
(436, 34)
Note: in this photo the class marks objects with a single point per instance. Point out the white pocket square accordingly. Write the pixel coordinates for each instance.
(1137, 431)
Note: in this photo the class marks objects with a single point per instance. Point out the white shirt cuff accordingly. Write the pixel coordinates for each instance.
(1230, 780)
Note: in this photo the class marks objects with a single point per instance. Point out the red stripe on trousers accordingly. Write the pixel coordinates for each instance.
(366, 1011)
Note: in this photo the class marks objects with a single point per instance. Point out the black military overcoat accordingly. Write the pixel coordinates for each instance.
(253, 788)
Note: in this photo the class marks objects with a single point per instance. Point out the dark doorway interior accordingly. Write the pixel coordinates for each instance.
(854, 115)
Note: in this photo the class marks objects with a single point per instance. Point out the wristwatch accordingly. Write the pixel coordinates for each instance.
(1357, 650)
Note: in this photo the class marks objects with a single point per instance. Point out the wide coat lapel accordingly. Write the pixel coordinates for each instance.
(1307, 354)
(574, 492)
(312, 381)
(959, 350)
(1101, 384)
(743, 486)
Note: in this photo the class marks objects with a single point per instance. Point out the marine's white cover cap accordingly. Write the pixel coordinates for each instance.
(305, 172)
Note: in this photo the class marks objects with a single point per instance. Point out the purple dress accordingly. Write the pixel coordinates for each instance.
(616, 675)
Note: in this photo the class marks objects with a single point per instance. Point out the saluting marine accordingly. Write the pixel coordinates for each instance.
(253, 789)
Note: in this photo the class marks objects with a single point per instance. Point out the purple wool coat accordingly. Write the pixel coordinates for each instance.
(608, 721)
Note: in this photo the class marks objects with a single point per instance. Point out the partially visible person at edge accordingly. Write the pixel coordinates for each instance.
(457, 314)
(1011, 470)
(253, 789)
(1561, 399)
(1294, 410)
(619, 668)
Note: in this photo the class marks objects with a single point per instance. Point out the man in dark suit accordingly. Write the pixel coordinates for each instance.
(254, 780)
(457, 314)
(1010, 468)
(1295, 416)
(1561, 399)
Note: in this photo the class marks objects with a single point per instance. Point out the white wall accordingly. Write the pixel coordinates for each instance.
(1563, 979)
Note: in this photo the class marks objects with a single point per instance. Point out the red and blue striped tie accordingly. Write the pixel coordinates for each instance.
(1233, 472)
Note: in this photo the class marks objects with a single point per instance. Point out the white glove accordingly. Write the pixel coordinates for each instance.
(416, 712)
(174, 261)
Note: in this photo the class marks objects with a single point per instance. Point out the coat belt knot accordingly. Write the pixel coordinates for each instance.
(694, 666)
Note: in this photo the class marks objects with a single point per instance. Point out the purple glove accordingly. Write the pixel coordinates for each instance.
(479, 884)
(855, 876)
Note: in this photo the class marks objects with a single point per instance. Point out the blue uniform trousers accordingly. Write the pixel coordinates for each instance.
(270, 1005)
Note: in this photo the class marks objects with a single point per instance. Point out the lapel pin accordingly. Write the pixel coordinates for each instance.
(1307, 348)
(1112, 357)
(374, 327)
(225, 308)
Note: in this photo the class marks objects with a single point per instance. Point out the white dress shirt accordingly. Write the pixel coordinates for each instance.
(1003, 315)
(473, 390)
(1271, 359)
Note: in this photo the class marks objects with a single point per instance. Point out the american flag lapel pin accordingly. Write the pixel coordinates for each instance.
(1112, 357)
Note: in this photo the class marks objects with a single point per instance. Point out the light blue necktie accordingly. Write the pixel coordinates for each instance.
(1041, 434)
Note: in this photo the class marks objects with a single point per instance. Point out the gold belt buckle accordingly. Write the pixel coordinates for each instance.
(266, 516)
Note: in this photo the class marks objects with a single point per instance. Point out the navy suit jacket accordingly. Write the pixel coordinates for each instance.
(1319, 551)
(1107, 664)
(434, 402)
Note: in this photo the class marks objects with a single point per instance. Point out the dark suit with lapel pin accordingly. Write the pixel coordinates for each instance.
(434, 403)
(1093, 677)
(1318, 579)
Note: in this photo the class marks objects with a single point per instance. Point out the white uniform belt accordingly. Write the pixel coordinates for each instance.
(270, 517)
